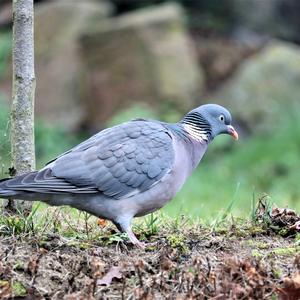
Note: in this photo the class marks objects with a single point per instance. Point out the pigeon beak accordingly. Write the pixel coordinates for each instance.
(233, 132)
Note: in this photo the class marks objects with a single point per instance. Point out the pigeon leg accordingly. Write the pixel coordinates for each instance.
(138, 243)
(134, 239)
(124, 226)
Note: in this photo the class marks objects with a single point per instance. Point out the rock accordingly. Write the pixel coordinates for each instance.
(220, 57)
(58, 25)
(278, 18)
(264, 86)
(5, 13)
(144, 56)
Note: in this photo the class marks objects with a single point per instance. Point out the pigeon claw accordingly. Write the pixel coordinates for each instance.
(133, 239)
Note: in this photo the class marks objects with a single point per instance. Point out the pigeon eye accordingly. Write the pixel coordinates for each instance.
(222, 118)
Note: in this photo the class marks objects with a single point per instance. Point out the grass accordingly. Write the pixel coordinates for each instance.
(50, 140)
(59, 250)
(5, 50)
(67, 254)
(75, 225)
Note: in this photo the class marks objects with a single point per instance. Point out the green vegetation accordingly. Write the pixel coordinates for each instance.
(18, 289)
(69, 252)
(5, 50)
(50, 140)
(136, 111)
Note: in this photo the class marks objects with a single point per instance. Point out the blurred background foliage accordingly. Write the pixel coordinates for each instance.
(100, 63)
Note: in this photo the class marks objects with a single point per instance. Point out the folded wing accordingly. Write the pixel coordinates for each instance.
(119, 162)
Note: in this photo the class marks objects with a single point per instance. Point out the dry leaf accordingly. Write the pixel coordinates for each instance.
(114, 272)
(296, 226)
(291, 288)
(97, 267)
(102, 223)
(5, 289)
(33, 265)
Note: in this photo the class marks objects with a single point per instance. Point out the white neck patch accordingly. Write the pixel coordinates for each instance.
(196, 133)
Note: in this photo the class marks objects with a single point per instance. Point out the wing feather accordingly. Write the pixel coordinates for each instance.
(117, 162)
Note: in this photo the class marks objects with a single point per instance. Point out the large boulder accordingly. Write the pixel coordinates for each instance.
(264, 87)
(58, 26)
(5, 13)
(144, 56)
(220, 56)
(278, 18)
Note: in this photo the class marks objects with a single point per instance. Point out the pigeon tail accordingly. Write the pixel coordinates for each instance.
(8, 193)
(5, 191)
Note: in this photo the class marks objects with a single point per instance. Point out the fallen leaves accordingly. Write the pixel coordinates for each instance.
(242, 279)
(284, 221)
(114, 272)
(217, 267)
(33, 263)
(290, 289)
(285, 217)
(5, 289)
(102, 223)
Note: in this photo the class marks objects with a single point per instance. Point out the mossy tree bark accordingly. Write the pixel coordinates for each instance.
(22, 110)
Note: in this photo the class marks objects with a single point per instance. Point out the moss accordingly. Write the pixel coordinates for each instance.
(241, 233)
(19, 265)
(80, 245)
(18, 289)
(283, 232)
(84, 246)
(261, 245)
(257, 254)
(256, 230)
(258, 245)
(221, 230)
(250, 243)
(286, 251)
(177, 241)
(289, 251)
(277, 273)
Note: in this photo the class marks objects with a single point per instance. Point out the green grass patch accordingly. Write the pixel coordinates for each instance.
(5, 51)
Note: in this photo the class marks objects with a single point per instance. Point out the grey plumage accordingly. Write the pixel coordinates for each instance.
(125, 171)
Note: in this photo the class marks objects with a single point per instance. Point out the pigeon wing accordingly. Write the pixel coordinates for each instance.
(120, 161)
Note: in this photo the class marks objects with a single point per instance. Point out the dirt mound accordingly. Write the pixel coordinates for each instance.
(193, 263)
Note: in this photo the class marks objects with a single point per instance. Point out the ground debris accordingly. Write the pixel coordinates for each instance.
(204, 269)
(114, 272)
(291, 288)
(284, 221)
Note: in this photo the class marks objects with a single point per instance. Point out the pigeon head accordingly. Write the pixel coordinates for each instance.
(207, 121)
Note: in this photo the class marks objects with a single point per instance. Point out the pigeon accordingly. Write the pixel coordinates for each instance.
(126, 171)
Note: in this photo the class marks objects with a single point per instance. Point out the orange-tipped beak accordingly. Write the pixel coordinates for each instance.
(233, 132)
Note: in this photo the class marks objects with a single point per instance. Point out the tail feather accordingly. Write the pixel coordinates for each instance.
(39, 182)
(8, 193)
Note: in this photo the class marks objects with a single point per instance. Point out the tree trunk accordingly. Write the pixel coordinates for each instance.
(22, 111)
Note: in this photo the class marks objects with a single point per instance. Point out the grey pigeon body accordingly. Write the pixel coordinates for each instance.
(125, 171)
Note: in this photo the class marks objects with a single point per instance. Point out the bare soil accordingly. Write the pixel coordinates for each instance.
(187, 263)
